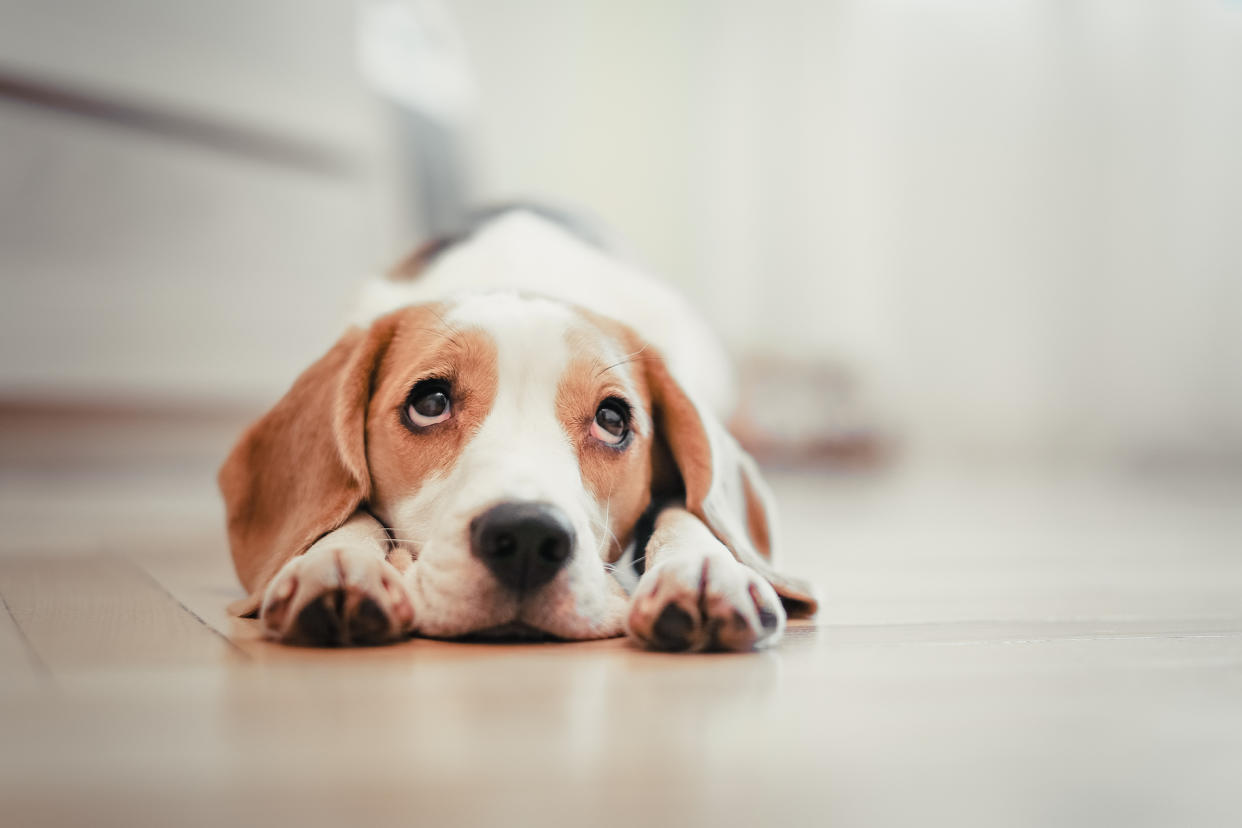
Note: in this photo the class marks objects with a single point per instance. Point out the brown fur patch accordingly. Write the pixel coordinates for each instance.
(400, 459)
(679, 454)
(618, 479)
(300, 471)
(678, 423)
(415, 262)
(336, 440)
(756, 518)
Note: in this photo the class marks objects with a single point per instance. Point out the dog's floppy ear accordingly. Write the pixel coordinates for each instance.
(301, 470)
(722, 484)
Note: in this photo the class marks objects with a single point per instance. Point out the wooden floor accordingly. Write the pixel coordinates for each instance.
(997, 648)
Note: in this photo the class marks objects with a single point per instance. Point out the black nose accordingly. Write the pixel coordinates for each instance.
(523, 544)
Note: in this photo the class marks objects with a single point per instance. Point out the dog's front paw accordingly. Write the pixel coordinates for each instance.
(705, 601)
(336, 596)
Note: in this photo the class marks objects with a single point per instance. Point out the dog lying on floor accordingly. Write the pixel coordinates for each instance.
(511, 413)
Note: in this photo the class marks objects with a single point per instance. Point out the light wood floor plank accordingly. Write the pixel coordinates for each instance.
(102, 612)
(1022, 650)
(19, 666)
(199, 578)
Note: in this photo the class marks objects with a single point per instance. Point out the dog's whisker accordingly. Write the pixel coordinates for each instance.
(446, 324)
(606, 526)
(438, 333)
(392, 533)
(634, 357)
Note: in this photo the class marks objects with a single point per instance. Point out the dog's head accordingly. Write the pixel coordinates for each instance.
(511, 445)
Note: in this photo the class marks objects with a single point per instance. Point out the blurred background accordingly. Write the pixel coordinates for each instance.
(961, 227)
(980, 263)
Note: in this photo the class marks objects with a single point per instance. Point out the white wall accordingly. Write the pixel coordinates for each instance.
(137, 267)
(1020, 219)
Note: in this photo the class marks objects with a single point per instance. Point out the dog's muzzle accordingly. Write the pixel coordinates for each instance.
(524, 544)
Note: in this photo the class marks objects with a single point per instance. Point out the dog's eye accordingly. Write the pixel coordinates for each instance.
(612, 422)
(429, 403)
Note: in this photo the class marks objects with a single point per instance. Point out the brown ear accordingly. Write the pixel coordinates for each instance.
(301, 470)
(722, 485)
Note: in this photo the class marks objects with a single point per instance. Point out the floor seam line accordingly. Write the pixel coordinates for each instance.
(156, 581)
(35, 659)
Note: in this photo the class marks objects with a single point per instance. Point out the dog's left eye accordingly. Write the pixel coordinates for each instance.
(612, 422)
(429, 403)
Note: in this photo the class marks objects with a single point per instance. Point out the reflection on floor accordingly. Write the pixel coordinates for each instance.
(1001, 647)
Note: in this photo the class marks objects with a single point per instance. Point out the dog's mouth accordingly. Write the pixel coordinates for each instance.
(512, 631)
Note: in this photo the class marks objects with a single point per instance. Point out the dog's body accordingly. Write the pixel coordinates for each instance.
(509, 413)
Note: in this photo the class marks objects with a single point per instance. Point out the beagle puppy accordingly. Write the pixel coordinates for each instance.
(514, 423)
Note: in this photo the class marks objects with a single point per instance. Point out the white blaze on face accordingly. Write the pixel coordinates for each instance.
(521, 452)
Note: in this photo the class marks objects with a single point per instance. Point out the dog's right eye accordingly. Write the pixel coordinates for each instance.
(429, 403)
(612, 422)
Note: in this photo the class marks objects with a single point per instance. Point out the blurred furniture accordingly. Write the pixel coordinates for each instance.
(189, 194)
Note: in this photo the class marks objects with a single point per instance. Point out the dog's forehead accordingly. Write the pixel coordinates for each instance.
(511, 315)
(528, 328)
